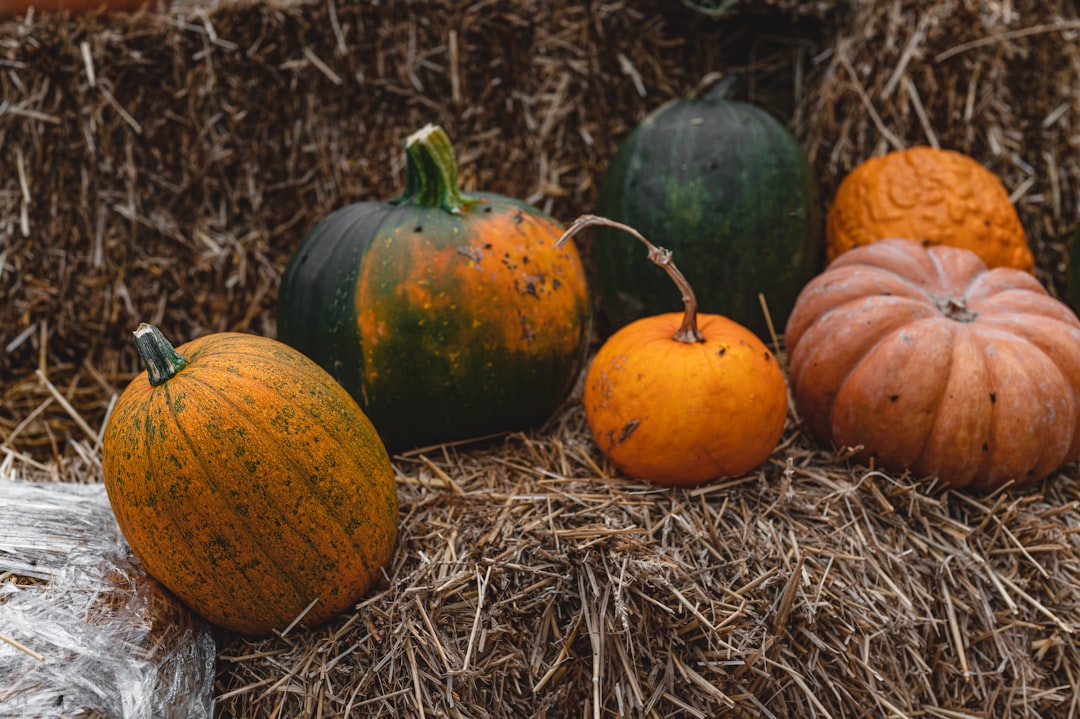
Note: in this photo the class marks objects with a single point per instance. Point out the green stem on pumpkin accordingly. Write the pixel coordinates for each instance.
(716, 86)
(431, 176)
(161, 359)
(688, 331)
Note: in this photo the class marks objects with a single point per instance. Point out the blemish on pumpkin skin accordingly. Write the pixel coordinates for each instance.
(894, 397)
(472, 253)
(527, 334)
(627, 430)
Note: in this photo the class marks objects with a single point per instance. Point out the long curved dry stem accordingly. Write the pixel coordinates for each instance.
(688, 330)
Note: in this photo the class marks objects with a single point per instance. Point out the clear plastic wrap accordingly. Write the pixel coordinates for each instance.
(83, 628)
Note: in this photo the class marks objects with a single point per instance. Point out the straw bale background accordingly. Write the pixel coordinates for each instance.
(162, 166)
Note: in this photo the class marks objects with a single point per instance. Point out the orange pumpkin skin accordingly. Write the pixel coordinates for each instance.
(932, 196)
(679, 413)
(250, 484)
(929, 361)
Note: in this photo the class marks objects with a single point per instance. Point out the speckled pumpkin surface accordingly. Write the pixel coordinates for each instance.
(251, 485)
(683, 413)
(447, 316)
(931, 196)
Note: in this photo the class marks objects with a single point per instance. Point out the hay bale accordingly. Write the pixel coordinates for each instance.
(530, 579)
(994, 80)
(165, 164)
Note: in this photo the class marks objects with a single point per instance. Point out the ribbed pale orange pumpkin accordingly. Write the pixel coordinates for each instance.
(680, 399)
(927, 360)
(248, 482)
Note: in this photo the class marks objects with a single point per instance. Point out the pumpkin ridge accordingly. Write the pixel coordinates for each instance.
(313, 490)
(338, 440)
(149, 447)
(868, 357)
(339, 253)
(258, 541)
(885, 333)
(943, 387)
(966, 415)
(294, 579)
(1040, 395)
(1058, 354)
(996, 417)
(943, 395)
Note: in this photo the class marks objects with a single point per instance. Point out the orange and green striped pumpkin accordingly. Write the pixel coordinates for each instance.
(248, 482)
(448, 316)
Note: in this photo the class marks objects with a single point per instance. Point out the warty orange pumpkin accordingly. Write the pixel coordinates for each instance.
(679, 399)
(925, 359)
(932, 196)
(248, 482)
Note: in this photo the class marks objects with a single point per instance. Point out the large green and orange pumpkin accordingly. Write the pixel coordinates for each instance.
(447, 315)
(248, 482)
(925, 359)
(727, 188)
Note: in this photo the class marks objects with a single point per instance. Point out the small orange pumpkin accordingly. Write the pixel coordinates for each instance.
(680, 399)
(248, 482)
(932, 196)
(927, 360)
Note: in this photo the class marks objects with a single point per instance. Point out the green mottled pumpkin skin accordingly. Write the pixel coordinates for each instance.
(726, 188)
(444, 326)
(251, 484)
(1072, 270)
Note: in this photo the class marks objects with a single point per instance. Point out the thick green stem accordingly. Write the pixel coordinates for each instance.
(431, 177)
(688, 331)
(716, 86)
(161, 359)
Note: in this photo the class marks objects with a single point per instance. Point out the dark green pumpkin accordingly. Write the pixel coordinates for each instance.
(727, 188)
(447, 316)
(1072, 270)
